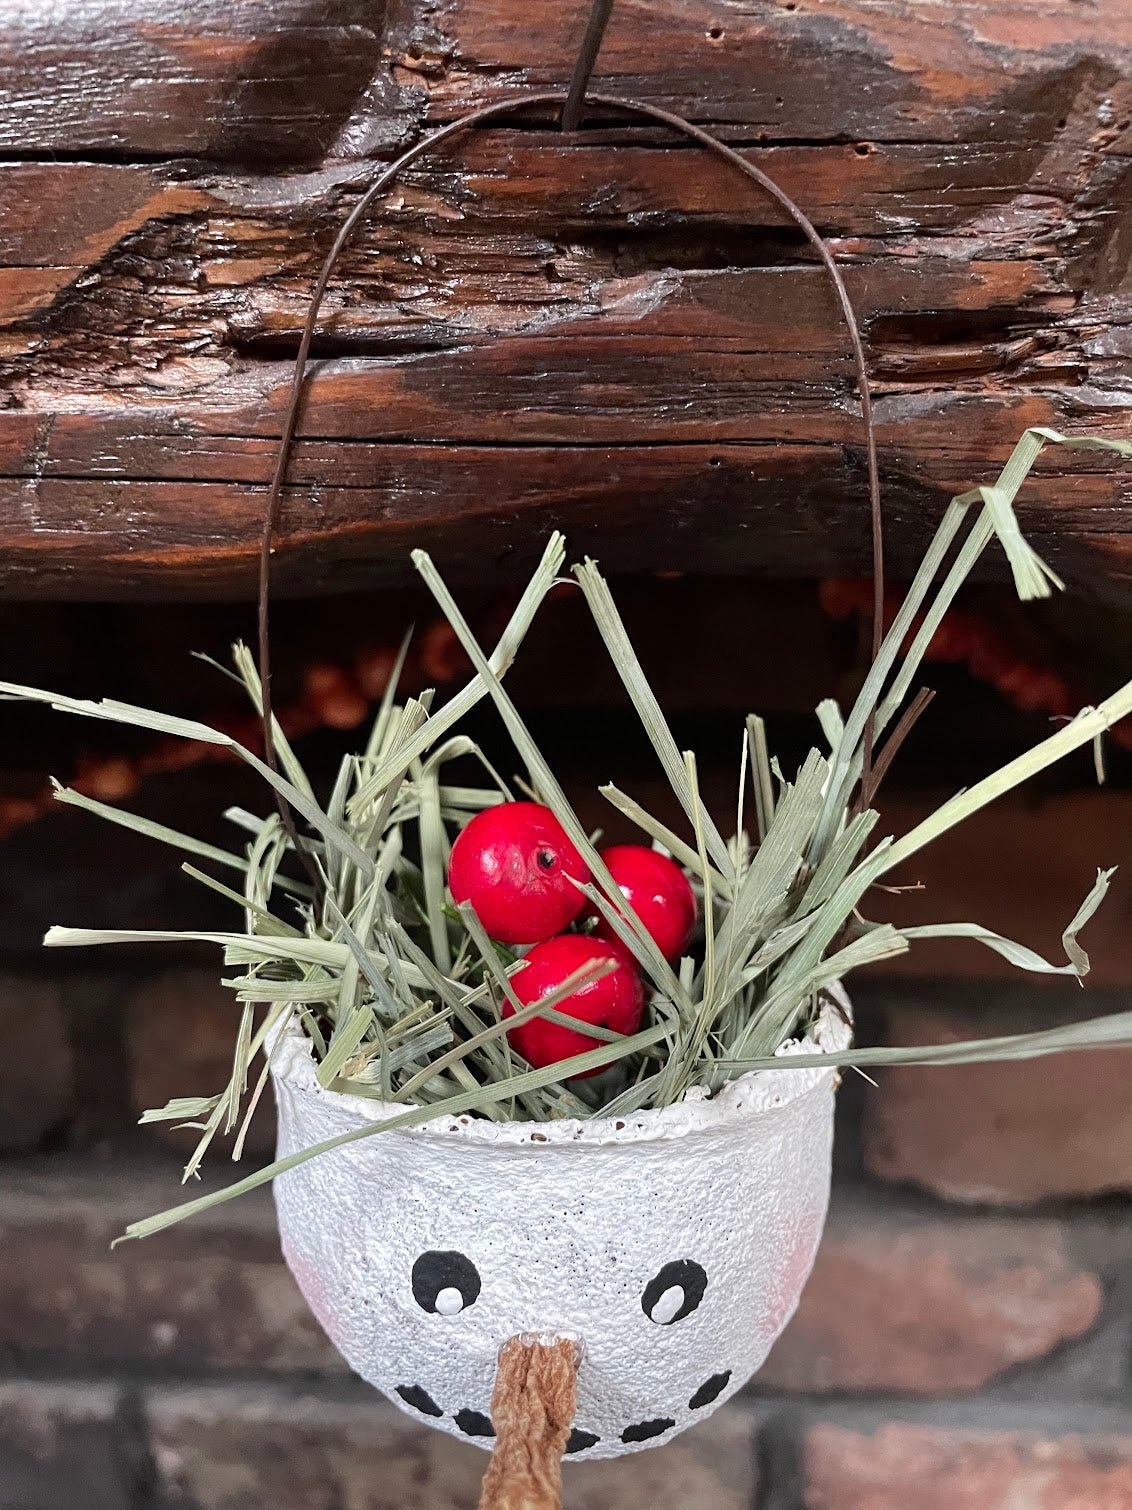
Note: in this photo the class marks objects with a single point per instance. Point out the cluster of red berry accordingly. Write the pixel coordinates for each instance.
(517, 867)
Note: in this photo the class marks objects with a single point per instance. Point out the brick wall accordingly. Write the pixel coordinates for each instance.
(965, 1342)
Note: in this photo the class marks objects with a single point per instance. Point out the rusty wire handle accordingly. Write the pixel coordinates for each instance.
(496, 112)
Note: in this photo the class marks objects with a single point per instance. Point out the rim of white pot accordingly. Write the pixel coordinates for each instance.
(758, 1092)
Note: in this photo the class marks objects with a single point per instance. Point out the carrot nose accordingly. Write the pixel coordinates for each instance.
(532, 1410)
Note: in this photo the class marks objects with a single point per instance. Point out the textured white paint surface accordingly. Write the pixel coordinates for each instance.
(566, 1225)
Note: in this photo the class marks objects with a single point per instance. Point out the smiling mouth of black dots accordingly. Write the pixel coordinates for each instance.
(473, 1423)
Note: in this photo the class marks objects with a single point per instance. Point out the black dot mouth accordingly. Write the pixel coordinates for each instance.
(581, 1441)
(419, 1399)
(473, 1423)
(644, 1431)
(709, 1390)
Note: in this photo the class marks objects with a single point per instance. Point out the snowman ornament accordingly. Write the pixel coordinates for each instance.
(669, 1247)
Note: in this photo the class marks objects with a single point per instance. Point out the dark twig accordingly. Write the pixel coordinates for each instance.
(908, 720)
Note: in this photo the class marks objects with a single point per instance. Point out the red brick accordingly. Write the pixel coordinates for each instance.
(905, 1467)
(898, 1301)
(210, 1293)
(36, 1068)
(922, 1305)
(1009, 1134)
(1020, 867)
(233, 1449)
(181, 1031)
(60, 1446)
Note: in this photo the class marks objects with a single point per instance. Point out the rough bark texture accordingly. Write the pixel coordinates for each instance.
(604, 332)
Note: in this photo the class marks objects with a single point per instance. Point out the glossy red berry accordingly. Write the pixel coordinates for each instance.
(616, 1001)
(658, 892)
(514, 863)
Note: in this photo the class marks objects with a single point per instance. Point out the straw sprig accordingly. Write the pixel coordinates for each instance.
(407, 1003)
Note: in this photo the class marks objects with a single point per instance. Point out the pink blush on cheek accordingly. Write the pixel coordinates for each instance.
(799, 1249)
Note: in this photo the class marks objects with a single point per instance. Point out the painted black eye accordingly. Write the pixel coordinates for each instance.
(675, 1292)
(445, 1283)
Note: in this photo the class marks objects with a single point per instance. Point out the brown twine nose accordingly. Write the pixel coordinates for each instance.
(532, 1409)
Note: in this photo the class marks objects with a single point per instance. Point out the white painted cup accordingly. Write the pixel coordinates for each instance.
(673, 1244)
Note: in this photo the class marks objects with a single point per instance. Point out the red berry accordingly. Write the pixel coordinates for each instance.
(514, 863)
(658, 892)
(616, 1001)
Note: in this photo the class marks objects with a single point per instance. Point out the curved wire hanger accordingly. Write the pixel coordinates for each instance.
(572, 103)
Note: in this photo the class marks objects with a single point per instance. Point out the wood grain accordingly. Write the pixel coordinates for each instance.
(601, 332)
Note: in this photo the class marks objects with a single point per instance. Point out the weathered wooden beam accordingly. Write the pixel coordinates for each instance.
(601, 332)
(233, 80)
(245, 80)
